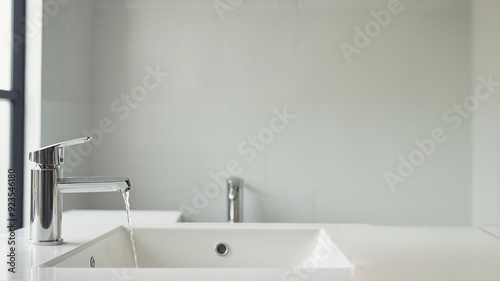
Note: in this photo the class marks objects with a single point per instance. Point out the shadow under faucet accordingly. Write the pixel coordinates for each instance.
(48, 185)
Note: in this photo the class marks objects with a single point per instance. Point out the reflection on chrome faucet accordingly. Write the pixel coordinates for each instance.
(235, 199)
(48, 184)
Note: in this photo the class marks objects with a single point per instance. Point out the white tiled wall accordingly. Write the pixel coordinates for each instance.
(486, 122)
(228, 77)
(66, 81)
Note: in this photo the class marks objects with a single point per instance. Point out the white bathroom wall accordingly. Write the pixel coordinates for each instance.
(66, 81)
(227, 78)
(486, 121)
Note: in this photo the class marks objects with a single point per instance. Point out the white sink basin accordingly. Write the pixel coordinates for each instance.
(188, 252)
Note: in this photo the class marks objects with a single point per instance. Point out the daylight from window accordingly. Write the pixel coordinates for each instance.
(4, 157)
(5, 44)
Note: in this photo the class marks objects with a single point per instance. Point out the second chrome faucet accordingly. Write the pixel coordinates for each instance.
(234, 199)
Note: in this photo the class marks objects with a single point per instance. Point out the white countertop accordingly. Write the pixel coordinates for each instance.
(378, 252)
(78, 227)
(420, 253)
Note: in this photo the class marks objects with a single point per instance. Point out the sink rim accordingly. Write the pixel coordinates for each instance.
(325, 229)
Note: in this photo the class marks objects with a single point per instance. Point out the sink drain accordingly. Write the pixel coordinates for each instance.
(221, 249)
(92, 262)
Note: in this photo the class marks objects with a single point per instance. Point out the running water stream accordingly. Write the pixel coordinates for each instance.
(129, 219)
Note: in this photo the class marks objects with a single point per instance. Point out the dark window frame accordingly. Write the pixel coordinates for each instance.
(16, 97)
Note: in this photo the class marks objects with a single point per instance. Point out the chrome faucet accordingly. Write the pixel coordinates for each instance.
(235, 199)
(48, 184)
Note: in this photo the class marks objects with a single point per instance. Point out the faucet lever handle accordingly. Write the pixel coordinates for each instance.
(233, 184)
(53, 155)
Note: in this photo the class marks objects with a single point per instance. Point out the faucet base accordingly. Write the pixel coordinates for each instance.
(46, 243)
